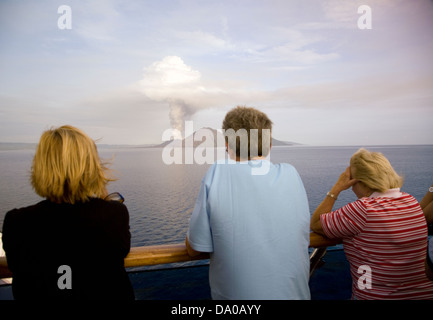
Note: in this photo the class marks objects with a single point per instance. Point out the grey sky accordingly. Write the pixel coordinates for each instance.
(126, 68)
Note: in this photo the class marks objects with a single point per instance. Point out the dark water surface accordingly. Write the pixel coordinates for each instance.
(160, 197)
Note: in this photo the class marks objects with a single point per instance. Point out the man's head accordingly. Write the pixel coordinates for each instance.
(248, 132)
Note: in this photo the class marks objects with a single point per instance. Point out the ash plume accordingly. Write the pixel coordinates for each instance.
(171, 80)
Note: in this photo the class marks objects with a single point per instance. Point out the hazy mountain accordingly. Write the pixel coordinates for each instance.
(208, 137)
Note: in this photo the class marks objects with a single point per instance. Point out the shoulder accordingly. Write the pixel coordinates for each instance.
(285, 167)
(33, 207)
(356, 211)
(215, 169)
(98, 202)
(106, 207)
(18, 213)
(401, 201)
(346, 221)
(286, 171)
(408, 198)
(19, 223)
(358, 206)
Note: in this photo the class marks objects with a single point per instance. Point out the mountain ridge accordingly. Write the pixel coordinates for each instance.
(218, 140)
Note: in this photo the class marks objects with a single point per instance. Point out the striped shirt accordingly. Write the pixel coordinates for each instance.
(385, 241)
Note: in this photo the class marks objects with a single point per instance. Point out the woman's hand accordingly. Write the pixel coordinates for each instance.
(344, 182)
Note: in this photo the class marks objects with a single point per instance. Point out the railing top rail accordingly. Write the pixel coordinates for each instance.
(170, 253)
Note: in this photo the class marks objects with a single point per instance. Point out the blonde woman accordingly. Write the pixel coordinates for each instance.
(72, 244)
(384, 232)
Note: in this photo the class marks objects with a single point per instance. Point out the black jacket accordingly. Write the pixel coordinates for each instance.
(91, 239)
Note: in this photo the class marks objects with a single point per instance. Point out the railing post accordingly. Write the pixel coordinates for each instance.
(315, 258)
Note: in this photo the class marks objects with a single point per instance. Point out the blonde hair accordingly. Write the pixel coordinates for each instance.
(375, 171)
(246, 120)
(67, 168)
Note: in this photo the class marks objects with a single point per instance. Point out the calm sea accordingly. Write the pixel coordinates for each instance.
(160, 197)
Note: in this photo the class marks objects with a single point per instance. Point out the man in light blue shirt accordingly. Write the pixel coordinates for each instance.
(255, 225)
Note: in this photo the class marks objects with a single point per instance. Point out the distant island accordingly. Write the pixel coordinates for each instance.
(201, 138)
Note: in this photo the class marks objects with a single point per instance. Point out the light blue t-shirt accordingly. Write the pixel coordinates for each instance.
(256, 228)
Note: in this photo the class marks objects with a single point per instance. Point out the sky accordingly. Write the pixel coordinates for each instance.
(331, 72)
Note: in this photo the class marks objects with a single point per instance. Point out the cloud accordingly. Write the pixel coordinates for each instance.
(169, 78)
(172, 81)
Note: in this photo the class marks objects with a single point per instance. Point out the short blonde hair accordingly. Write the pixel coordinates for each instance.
(248, 119)
(375, 171)
(67, 168)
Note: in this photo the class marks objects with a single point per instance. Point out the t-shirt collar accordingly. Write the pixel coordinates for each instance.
(391, 193)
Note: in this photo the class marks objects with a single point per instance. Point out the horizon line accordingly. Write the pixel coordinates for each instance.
(295, 144)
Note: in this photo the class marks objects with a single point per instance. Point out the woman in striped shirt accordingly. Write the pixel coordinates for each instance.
(384, 232)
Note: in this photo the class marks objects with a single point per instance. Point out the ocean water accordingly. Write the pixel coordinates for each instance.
(160, 197)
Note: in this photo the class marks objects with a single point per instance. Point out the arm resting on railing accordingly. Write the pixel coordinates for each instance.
(170, 253)
(319, 241)
(160, 254)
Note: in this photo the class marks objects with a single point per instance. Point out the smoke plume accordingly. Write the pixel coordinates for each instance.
(171, 80)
